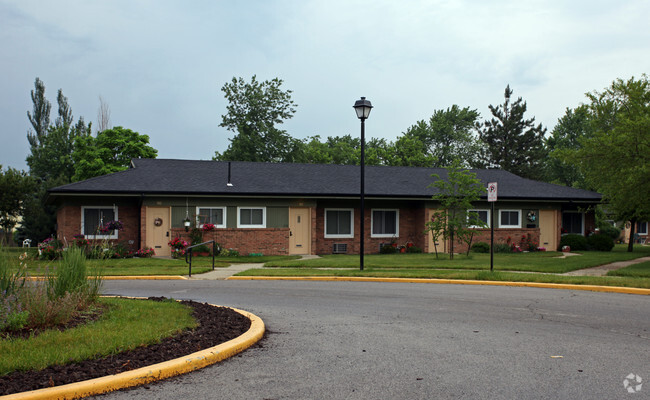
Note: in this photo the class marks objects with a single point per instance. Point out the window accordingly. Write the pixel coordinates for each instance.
(642, 228)
(385, 223)
(251, 217)
(212, 215)
(478, 215)
(572, 222)
(339, 223)
(94, 218)
(510, 219)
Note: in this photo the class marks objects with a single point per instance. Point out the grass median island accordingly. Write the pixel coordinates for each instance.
(124, 325)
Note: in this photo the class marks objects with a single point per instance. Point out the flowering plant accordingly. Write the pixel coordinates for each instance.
(145, 252)
(208, 227)
(178, 244)
(111, 226)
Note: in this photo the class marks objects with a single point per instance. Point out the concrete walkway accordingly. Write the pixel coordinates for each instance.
(602, 270)
(224, 273)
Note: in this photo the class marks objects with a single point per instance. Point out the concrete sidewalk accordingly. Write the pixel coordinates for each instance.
(602, 270)
(224, 273)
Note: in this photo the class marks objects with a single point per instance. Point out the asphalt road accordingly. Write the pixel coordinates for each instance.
(345, 340)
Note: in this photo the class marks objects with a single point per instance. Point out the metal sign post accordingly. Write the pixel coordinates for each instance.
(492, 198)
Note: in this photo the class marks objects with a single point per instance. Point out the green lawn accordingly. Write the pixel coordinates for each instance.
(146, 266)
(538, 267)
(125, 325)
(640, 270)
(546, 262)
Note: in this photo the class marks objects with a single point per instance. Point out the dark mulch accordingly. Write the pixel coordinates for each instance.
(216, 325)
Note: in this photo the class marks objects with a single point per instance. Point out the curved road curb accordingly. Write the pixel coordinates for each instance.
(592, 288)
(153, 372)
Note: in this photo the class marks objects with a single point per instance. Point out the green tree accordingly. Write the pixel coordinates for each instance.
(456, 192)
(111, 151)
(254, 110)
(50, 159)
(615, 159)
(573, 127)
(15, 188)
(513, 143)
(448, 135)
(40, 115)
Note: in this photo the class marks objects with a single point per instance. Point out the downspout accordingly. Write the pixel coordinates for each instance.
(140, 244)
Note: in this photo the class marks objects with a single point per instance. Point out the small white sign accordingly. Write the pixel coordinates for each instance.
(492, 191)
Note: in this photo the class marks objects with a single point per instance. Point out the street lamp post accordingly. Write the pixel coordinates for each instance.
(362, 107)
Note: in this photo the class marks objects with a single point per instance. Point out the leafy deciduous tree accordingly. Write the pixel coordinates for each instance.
(570, 129)
(15, 188)
(615, 159)
(111, 151)
(455, 194)
(448, 135)
(254, 110)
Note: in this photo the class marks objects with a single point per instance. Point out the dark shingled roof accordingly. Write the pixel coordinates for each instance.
(191, 177)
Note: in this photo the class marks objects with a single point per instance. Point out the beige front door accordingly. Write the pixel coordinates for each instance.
(548, 229)
(441, 244)
(158, 225)
(299, 231)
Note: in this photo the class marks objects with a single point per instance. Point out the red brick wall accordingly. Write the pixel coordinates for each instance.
(268, 241)
(68, 220)
(411, 228)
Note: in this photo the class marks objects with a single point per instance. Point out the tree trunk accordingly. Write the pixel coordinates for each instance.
(630, 242)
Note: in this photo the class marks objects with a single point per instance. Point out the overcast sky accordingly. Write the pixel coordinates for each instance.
(160, 65)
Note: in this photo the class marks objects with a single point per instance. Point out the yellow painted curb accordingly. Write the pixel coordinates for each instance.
(592, 288)
(154, 372)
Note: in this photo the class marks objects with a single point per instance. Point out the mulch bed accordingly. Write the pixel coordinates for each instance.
(216, 325)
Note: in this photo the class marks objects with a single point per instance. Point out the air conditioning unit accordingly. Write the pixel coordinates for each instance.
(340, 248)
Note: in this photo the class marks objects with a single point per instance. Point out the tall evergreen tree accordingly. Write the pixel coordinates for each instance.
(50, 159)
(513, 143)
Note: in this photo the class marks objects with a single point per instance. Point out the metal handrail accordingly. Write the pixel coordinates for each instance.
(188, 251)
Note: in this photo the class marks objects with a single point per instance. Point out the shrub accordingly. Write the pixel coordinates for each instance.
(481, 247)
(388, 249)
(201, 249)
(196, 236)
(12, 316)
(610, 231)
(600, 242)
(229, 253)
(72, 276)
(413, 249)
(575, 242)
(502, 248)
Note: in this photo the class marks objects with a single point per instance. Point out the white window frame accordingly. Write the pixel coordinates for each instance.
(384, 235)
(83, 213)
(344, 236)
(582, 222)
(476, 210)
(510, 226)
(638, 228)
(223, 209)
(239, 223)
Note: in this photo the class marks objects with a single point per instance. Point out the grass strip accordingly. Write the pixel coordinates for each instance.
(639, 270)
(643, 283)
(125, 325)
(148, 266)
(544, 262)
